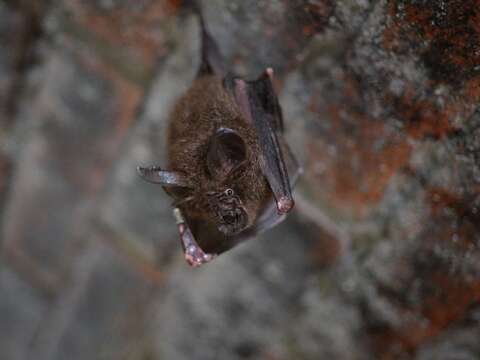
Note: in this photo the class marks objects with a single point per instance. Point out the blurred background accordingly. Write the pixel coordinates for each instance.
(380, 258)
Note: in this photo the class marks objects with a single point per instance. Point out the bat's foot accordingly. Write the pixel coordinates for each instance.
(196, 257)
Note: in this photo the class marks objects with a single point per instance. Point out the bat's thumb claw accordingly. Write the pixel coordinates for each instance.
(285, 204)
(269, 72)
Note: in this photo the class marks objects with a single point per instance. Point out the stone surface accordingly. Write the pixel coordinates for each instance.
(22, 312)
(380, 259)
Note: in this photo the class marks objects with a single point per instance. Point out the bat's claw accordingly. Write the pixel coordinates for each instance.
(284, 204)
(196, 257)
(269, 72)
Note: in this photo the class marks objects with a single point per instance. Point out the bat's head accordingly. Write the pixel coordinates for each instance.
(226, 158)
(229, 212)
(216, 194)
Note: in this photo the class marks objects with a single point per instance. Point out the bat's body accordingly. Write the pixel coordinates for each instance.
(227, 170)
(205, 110)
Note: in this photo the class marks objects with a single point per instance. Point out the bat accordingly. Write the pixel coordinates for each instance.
(230, 170)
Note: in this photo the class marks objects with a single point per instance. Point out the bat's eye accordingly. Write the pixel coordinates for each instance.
(229, 192)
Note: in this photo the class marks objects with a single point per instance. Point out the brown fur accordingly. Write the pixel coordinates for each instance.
(196, 116)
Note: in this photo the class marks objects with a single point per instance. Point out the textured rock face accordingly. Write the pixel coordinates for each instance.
(380, 259)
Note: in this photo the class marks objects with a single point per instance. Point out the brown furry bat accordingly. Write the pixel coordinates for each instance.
(229, 165)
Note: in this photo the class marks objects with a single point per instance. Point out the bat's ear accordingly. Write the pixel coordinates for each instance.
(156, 175)
(226, 151)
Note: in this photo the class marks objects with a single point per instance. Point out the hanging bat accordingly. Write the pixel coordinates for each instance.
(230, 170)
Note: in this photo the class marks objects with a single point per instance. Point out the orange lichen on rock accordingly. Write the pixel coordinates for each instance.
(445, 34)
(135, 30)
(450, 303)
(422, 117)
(444, 290)
(445, 37)
(358, 154)
(316, 16)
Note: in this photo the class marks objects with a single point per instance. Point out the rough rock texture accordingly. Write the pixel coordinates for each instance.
(380, 259)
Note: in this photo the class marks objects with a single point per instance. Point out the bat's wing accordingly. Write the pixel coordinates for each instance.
(270, 216)
(259, 104)
(279, 164)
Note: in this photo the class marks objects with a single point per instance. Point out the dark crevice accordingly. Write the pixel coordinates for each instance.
(24, 35)
(27, 33)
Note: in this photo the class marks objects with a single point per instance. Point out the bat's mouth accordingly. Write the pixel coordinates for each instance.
(232, 222)
(229, 212)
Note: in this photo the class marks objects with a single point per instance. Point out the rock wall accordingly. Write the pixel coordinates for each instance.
(380, 259)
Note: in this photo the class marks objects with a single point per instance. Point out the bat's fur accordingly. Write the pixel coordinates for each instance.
(206, 107)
